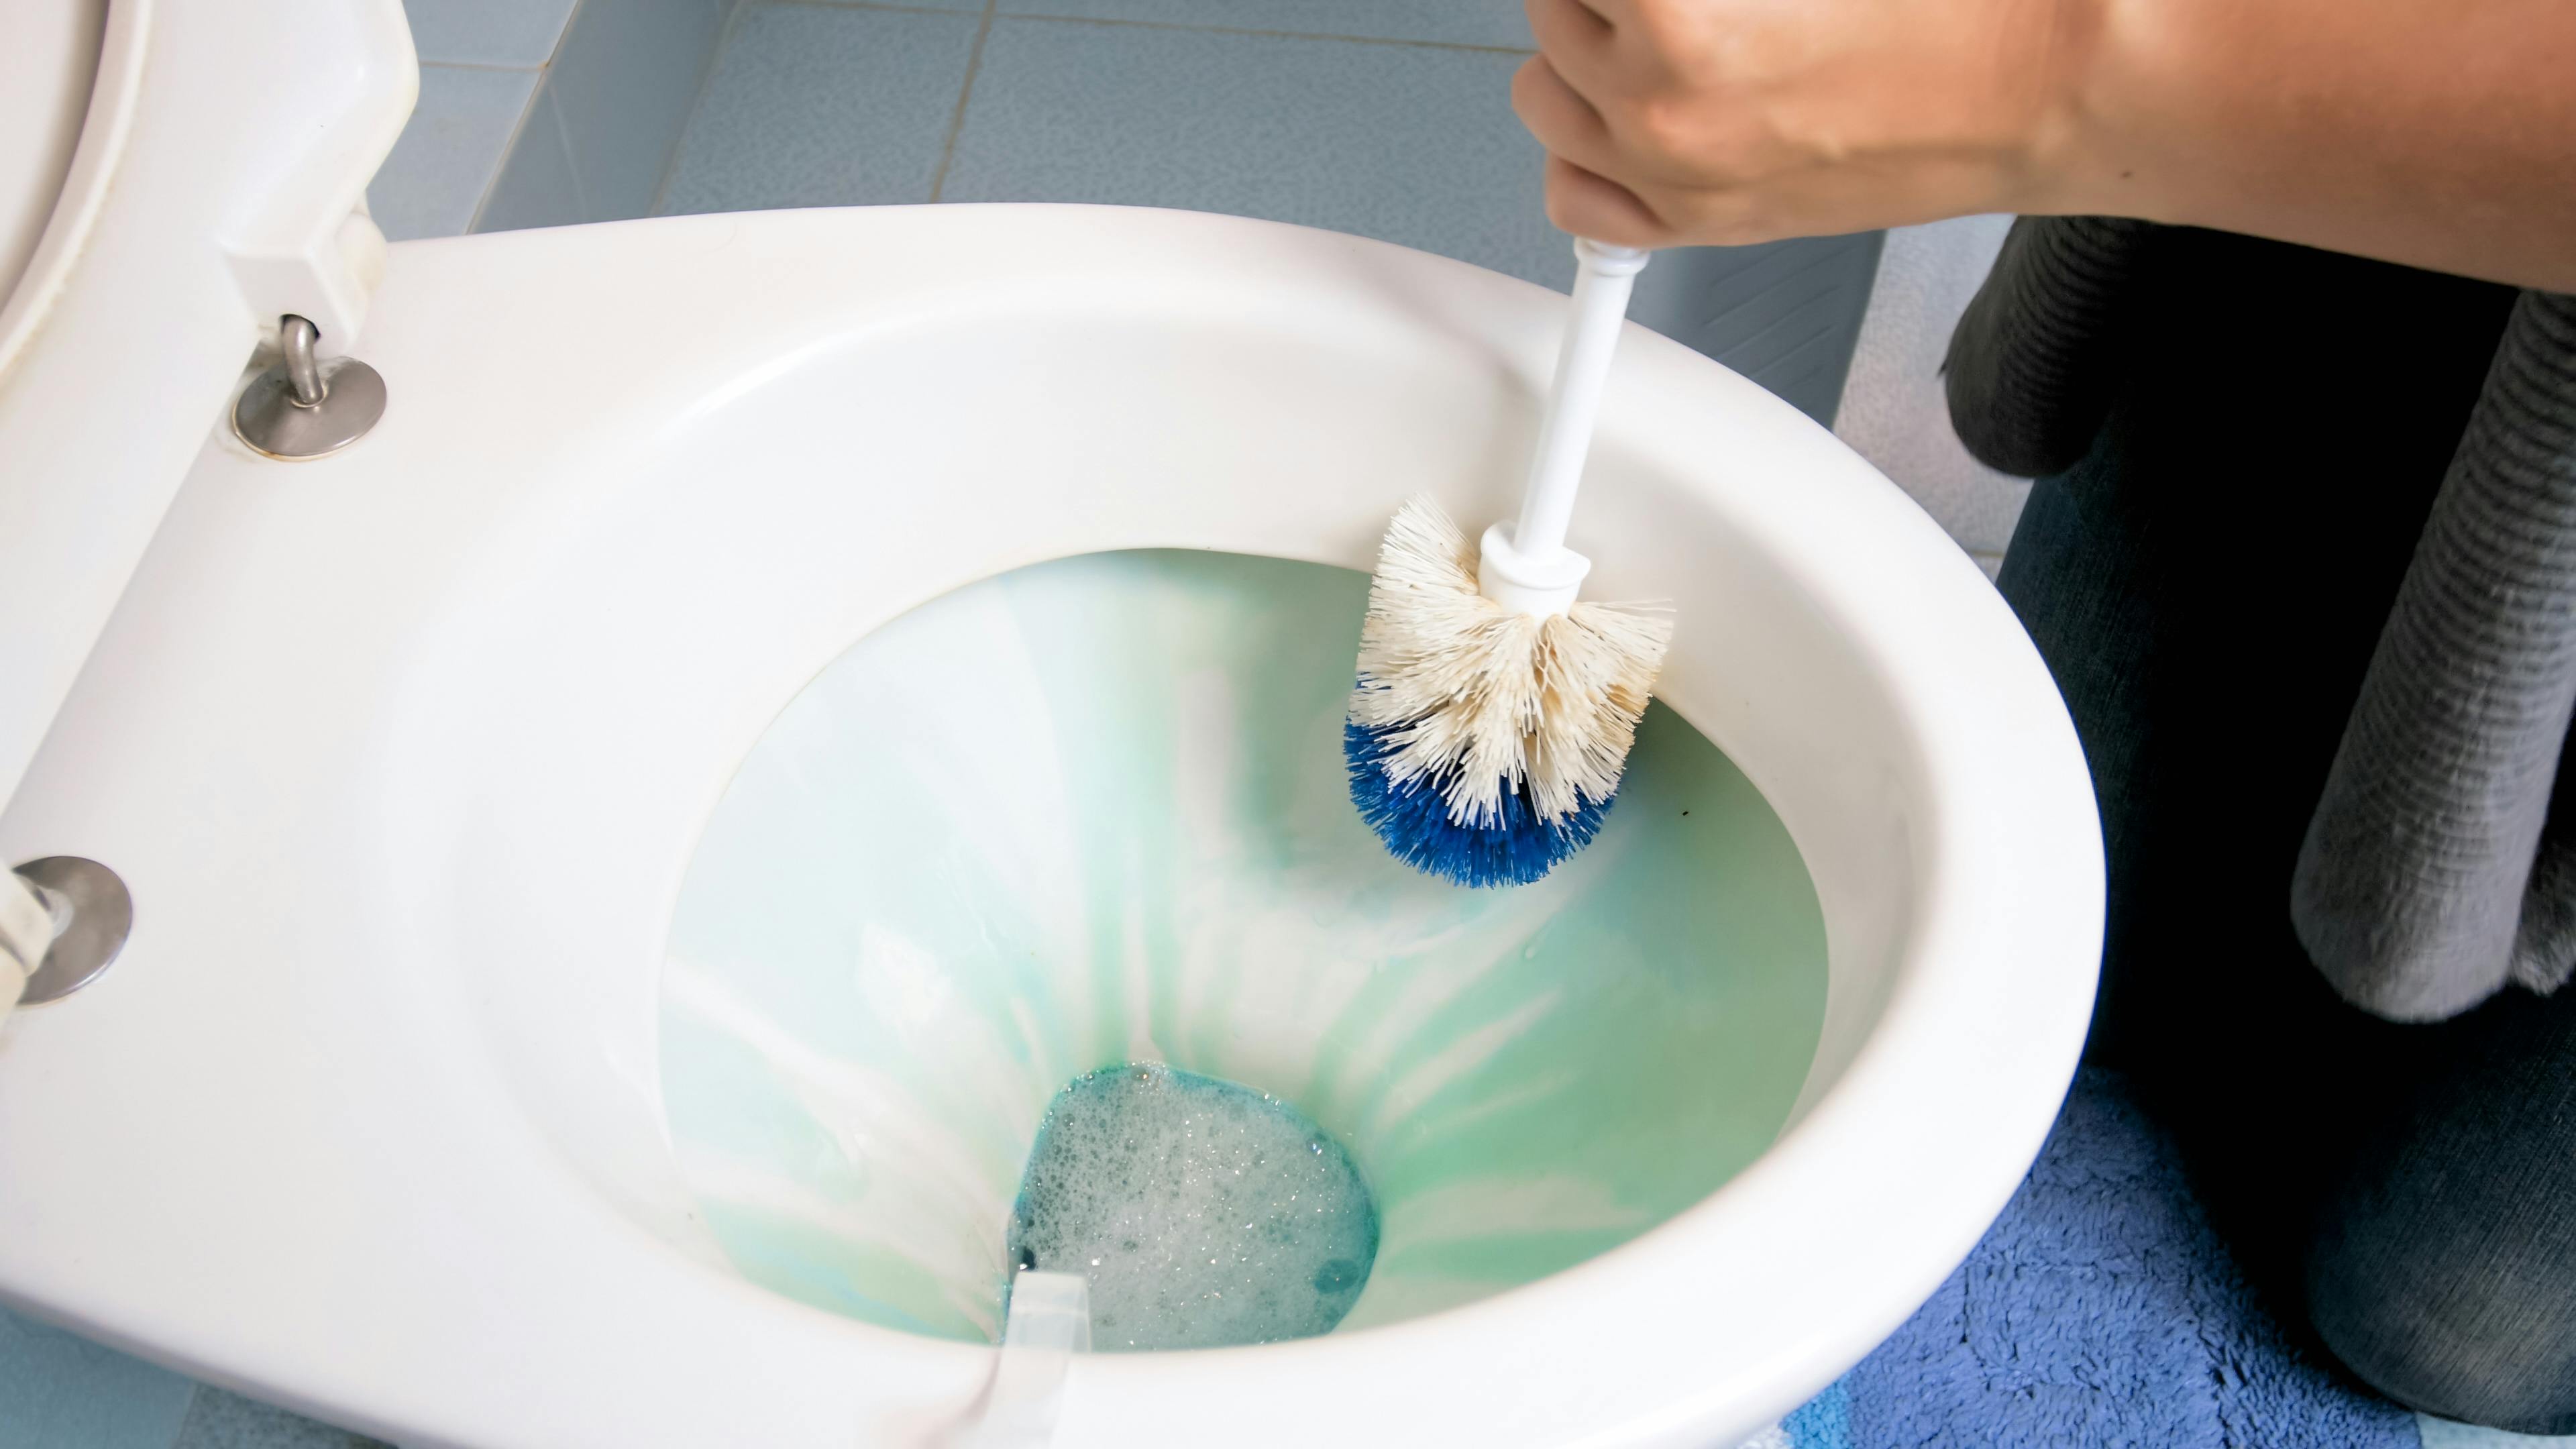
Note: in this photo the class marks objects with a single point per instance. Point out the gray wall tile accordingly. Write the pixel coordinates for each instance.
(487, 32)
(537, 186)
(623, 84)
(450, 151)
(1456, 22)
(60, 1391)
(818, 106)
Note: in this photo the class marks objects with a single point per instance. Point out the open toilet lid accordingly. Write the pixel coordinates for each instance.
(217, 183)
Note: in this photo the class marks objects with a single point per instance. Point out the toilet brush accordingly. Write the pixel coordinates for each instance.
(1494, 710)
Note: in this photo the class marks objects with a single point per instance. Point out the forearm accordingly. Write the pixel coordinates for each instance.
(2438, 133)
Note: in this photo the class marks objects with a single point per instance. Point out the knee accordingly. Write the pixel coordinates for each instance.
(2467, 1315)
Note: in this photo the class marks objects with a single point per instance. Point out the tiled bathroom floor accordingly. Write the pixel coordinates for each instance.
(1391, 121)
(59, 1391)
(1398, 127)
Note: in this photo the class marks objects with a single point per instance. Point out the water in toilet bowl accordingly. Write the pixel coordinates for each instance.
(1092, 812)
(1204, 1213)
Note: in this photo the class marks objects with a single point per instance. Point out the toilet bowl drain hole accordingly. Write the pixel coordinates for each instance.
(1204, 1213)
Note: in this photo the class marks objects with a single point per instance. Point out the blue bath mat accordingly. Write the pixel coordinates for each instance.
(2100, 1311)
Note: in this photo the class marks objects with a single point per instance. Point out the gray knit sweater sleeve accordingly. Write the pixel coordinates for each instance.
(2425, 882)
(2440, 863)
(2033, 365)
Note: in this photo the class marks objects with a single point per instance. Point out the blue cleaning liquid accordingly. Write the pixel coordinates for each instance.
(1204, 1213)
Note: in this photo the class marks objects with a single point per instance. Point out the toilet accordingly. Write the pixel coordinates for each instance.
(420, 760)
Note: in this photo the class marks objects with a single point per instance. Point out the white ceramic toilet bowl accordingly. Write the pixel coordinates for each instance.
(403, 754)
(406, 754)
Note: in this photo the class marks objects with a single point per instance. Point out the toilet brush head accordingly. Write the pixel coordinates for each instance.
(1484, 743)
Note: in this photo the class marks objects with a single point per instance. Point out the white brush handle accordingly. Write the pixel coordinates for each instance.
(1528, 566)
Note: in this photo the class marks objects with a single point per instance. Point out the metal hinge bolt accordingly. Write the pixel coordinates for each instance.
(305, 407)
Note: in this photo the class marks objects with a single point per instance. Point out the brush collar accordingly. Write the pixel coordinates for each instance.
(1540, 585)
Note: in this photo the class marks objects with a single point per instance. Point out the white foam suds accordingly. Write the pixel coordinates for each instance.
(1203, 1213)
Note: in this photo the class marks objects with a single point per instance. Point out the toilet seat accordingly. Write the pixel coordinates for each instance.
(208, 196)
(402, 753)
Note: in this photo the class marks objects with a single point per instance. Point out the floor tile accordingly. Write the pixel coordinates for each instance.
(218, 1420)
(60, 1391)
(969, 7)
(623, 84)
(823, 106)
(537, 186)
(1454, 22)
(487, 32)
(450, 150)
(1406, 144)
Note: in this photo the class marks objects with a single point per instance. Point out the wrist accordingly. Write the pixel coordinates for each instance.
(2091, 144)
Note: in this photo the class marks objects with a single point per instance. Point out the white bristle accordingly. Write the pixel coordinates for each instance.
(1488, 697)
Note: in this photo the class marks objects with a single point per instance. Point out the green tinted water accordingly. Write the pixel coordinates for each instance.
(1093, 812)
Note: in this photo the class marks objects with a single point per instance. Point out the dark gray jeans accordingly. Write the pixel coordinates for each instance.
(2207, 583)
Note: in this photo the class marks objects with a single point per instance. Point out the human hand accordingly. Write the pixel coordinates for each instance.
(1723, 122)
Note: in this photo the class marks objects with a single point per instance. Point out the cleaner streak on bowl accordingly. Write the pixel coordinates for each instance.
(1204, 1213)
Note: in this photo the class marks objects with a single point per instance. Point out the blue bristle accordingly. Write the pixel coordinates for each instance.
(1414, 822)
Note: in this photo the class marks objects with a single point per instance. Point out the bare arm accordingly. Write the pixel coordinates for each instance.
(2440, 133)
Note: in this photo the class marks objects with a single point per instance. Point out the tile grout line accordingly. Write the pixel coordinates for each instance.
(572, 17)
(572, 165)
(965, 93)
(706, 78)
(1280, 34)
(990, 15)
(509, 149)
(896, 7)
(545, 72)
(486, 65)
(188, 1415)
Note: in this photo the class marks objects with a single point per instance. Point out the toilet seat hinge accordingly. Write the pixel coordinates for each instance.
(306, 406)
